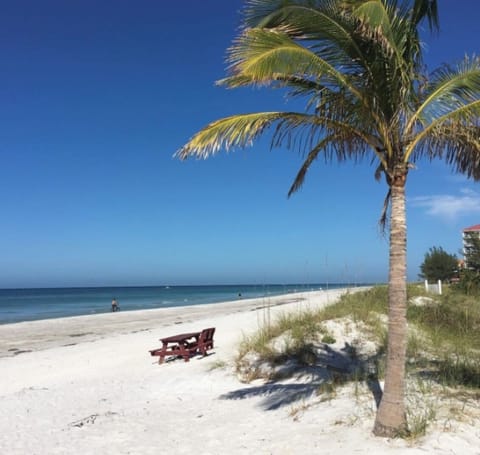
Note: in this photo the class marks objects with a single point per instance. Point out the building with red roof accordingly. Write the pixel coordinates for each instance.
(475, 228)
(467, 234)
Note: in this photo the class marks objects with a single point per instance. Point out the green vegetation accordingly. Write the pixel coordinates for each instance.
(451, 325)
(443, 349)
(438, 265)
(469, 282)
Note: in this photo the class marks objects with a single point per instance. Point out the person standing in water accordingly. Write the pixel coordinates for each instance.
(114, 305)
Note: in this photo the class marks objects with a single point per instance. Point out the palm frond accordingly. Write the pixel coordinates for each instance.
(322, 24)
(378, 172)
(455, 121)
(450, 89)
(358, 66)
(293, 130)
(449, 140)
(235, 131)
(426, 9)
(261, 56)
(311, 157)
(299, 85)
(374, 15)
(271, 57)
(307, 16)
(465, 159)
(384, 214)
(456, 142)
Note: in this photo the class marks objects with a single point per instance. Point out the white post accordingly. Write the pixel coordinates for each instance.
(440, 287)
(426, 285)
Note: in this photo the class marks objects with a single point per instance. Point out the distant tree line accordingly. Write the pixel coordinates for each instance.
(440, 265)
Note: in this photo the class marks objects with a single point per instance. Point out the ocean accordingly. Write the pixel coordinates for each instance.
(18, 305)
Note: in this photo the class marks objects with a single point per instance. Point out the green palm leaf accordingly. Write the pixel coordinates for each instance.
(240, 131)
(456, 121)
(450, 89)
(235, 131)
(261, 56)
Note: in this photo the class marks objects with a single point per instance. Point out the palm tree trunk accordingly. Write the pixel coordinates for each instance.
(391, 417)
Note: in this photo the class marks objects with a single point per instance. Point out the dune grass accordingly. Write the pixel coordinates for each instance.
(443, 343)
(452, 326)
(301, 329)
(444, 333)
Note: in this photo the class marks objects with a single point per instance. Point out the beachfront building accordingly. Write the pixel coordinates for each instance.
(469, 234)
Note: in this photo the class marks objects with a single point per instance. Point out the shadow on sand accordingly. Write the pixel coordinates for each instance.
(331, 366)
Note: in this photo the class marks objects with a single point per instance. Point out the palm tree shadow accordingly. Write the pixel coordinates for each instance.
(276, 395)
(330, 366)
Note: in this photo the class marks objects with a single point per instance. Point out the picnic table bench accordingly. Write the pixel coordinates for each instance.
(185, 345)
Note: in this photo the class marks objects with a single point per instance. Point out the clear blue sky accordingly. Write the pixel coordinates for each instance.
(96, 96)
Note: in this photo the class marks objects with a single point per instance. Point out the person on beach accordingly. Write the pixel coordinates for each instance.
(115, 305)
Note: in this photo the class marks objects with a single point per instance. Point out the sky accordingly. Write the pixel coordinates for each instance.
(96, 97)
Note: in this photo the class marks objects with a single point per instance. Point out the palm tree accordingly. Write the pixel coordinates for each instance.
(358, 66)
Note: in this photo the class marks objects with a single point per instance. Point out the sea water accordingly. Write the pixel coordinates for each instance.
(18, 305)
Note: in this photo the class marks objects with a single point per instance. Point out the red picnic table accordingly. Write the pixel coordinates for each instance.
(177, 345)
(185, 344)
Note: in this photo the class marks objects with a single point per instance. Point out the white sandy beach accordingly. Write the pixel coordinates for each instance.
(89, 386)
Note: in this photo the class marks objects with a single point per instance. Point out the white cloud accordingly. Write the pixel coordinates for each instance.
(468, 191)
(458, 179)
(448, 206)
